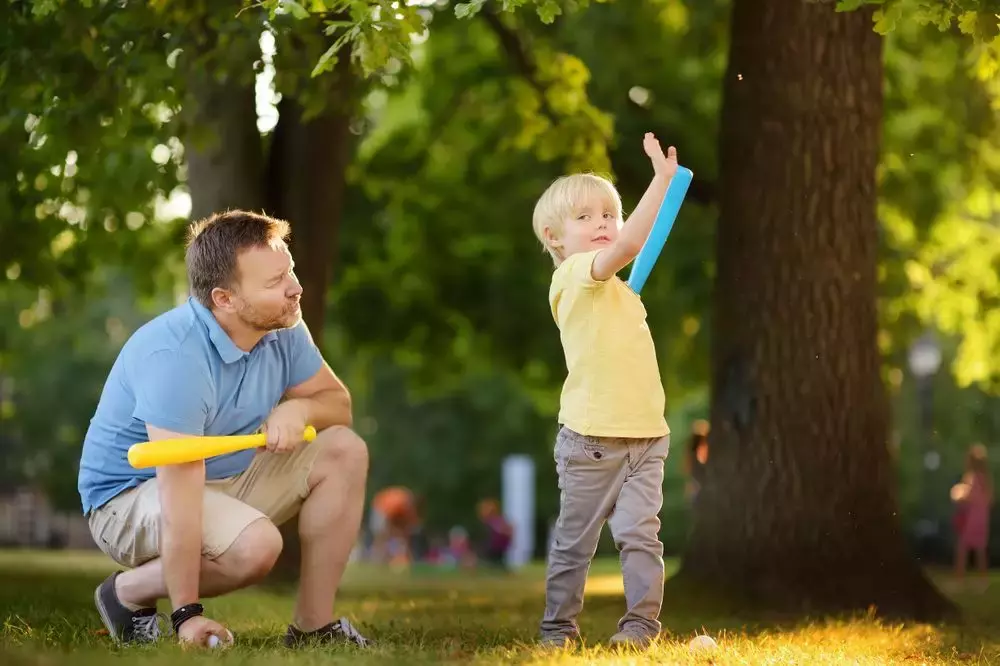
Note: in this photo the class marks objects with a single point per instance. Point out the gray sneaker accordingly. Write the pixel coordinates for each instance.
(338, 631)
(124, 625)
(633, 637)
(559, 641)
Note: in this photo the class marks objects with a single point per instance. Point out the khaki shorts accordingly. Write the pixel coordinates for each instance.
(127, 528)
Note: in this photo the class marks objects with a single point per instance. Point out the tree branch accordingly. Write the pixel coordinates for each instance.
(518, 55)
(700, 191)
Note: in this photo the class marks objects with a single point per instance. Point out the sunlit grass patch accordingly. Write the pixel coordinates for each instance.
(432, 616)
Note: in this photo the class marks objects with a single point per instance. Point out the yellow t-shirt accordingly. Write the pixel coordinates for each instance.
(613, 387)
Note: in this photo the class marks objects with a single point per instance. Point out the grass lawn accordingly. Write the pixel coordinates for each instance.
(47, 614)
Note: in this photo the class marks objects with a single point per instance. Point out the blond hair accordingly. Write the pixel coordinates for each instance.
(563, 197)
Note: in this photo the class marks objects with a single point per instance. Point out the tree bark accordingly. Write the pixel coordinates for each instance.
(307, 174)
(223, 147)
(798, 511)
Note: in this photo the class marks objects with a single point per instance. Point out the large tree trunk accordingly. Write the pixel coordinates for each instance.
(308, 175)
(222, 147)
(798, 513)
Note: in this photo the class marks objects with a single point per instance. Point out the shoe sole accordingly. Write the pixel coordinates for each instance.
(104, 615)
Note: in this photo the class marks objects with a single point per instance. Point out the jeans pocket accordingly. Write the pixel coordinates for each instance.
(594, 451)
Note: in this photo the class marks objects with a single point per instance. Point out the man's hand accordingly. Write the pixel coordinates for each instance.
(199, 629)
(285, 426)
(665, 166)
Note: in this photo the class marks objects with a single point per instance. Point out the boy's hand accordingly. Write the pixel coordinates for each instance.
(665, 166)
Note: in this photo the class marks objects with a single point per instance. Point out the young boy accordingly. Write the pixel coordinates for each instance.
(613, 439)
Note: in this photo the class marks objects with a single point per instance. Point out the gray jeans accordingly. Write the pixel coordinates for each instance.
(618, 480)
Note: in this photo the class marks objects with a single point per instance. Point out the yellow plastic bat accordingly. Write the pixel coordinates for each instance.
(190, 449)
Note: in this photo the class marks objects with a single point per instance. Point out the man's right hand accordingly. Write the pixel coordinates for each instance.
(199, 629)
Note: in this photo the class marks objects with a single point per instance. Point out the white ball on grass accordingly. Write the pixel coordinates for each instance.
(702, 643)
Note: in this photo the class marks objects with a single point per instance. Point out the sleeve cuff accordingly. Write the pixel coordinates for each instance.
(175, 425)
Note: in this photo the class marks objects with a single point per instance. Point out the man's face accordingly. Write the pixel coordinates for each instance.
(267, 294)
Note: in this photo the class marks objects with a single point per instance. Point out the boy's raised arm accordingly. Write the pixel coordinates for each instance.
(635, 231)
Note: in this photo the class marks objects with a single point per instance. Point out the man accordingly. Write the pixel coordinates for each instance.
(234, 359)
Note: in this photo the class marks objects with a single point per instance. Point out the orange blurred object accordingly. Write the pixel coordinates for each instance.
(397, 504)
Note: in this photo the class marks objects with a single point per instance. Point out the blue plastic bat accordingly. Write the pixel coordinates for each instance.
(662, 225)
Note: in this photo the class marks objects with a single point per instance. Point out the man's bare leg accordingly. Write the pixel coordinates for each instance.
(247, 561)
(329, 522)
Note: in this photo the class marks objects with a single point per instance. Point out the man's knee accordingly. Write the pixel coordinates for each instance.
(254, 552)
(342, 450)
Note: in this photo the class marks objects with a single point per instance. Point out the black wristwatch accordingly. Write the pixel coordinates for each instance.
(185, 613)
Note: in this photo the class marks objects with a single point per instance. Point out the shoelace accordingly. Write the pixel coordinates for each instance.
(146, 627)
(345, 627)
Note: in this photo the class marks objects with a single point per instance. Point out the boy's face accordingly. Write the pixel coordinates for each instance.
(592, 225)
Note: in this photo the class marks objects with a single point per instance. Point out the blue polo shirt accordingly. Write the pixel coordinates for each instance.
(182, 372)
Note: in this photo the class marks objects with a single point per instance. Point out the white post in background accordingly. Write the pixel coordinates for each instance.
(518, 488)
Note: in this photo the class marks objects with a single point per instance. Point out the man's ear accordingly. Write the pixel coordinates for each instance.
(222, 299)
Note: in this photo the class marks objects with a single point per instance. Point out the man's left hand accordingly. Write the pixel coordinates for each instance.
(285, 426)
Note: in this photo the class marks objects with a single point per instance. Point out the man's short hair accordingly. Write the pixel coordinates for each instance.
(215, 243)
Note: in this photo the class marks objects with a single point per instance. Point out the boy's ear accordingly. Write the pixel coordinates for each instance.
(550, 238)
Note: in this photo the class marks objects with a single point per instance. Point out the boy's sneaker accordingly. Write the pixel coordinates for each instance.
(124, 625)
(559, 641)
(633, 637)
(339, 631)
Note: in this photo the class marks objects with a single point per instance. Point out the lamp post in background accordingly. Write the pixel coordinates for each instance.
(925, 360)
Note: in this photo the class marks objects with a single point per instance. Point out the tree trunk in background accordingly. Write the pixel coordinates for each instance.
(308, 171)
(223, 148)
(307, 176)
(798, 512)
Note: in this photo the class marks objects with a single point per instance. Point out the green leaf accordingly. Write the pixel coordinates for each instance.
(850, 5)
(468, 9)
(42, 8)
(327, 60)
(298, 11)
(983, 25)
(333, 26)
(887, 17)
(548, 10)
(967, 23)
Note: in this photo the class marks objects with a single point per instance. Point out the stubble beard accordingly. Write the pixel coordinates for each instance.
(288, 318)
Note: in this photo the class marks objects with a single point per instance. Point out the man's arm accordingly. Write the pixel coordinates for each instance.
(313, 395)
(324, 399)
(181, 489)
(172, 392)
(636, 230)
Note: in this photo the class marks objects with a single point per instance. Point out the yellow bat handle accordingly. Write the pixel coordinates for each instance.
(190, 449)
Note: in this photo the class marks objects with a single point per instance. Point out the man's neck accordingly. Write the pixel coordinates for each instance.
(242, 335)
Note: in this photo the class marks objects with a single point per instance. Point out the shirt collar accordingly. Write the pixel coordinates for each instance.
(224, 345)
